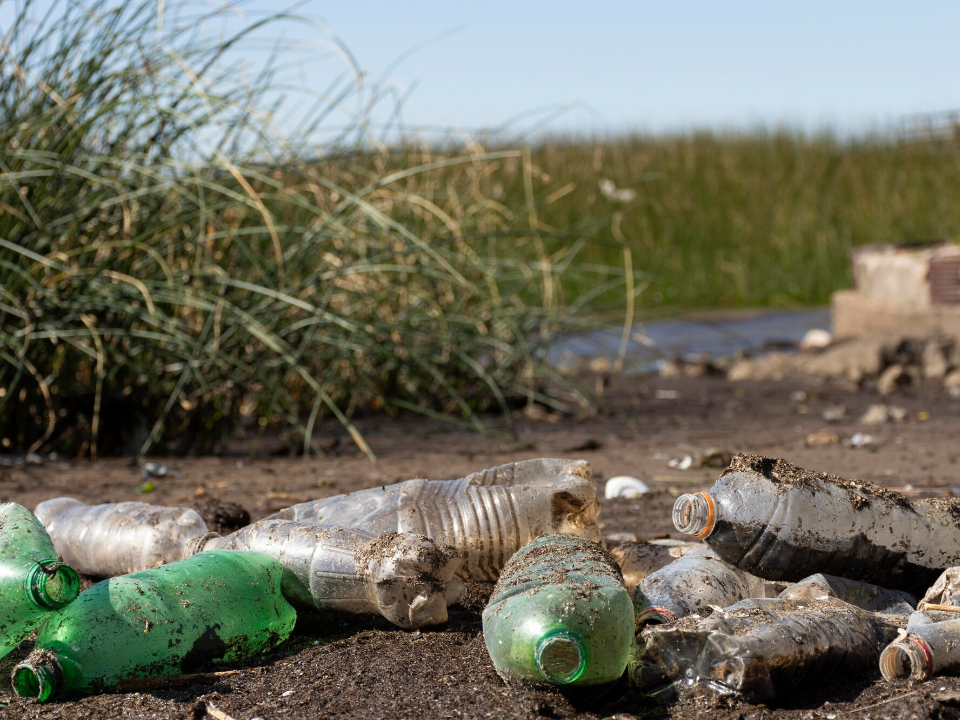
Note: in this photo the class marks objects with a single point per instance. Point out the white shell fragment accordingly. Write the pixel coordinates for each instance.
(625, 486)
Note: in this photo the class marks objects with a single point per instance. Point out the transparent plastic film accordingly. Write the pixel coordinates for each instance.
(118, 538)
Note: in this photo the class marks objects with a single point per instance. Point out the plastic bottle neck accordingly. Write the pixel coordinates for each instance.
(694, 514)
(561, 657)
(40, 676)
(51, 585)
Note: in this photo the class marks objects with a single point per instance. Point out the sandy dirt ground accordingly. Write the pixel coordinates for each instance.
(348, 666)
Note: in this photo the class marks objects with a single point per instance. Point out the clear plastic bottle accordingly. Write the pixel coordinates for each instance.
(33, 581)
(762, 648)
(214, 607)
(925, 649)
(118, 538)
(639, 559)
(409, 579)
(694, 583)
(781, 522)
(487, 516)
(560, 615)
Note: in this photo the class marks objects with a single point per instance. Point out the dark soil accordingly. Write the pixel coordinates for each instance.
(361, 667)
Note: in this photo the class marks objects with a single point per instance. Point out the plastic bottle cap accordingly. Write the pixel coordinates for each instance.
(52, 585)
(561, 658)
(38, 677)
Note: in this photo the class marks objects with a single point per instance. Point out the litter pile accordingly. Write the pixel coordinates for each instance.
(789, 575)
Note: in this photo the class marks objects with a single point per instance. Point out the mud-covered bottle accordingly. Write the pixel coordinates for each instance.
(487, 516)
(217, 606)
(560, 614)
(118, 538)
(781, 522)
(33, 580)
(764, 648)
(927, 648)
(694, 583)
(407, 578)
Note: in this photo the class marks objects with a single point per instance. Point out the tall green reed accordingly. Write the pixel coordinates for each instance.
(173, 264)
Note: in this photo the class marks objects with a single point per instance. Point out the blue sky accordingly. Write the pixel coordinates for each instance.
(849, 66)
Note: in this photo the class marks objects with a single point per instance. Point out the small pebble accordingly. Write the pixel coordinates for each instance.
(288, 693)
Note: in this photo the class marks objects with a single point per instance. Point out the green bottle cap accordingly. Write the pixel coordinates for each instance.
(561, 657)
(52, 585)
(39, 676)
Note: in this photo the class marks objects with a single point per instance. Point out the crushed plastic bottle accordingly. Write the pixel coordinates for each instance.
(487, 516)
(33, 581)
(118, 538)
(560, 615)
(218, 606)
(694, 583)
(407, 578)
(639, 558)
(926, 648)
(762, 648)
(931, 642)
(781, 522)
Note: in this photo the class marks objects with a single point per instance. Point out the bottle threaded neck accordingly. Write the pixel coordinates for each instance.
(906, 659)
(694, 514)
(51, 584)
(39, 676)
(561, 657)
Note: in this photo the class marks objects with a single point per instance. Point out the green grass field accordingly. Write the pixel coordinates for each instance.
(173, 266)
(746, 220)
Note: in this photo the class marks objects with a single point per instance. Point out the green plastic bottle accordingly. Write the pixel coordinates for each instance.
(560, 614)
(217, 606)
(33, 582)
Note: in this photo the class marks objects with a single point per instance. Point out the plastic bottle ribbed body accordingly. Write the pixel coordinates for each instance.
(560, 614)
(692, 584)
(407, 579)
(32, 580)
(783, 523)
(487, 516)
(758, 648)
(214, 607)
(118, 538)
(926, 649)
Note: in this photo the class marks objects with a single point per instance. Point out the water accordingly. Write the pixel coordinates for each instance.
(720, 336)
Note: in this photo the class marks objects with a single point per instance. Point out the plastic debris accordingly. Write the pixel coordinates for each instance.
(762, 648)
(815, 339)
(625, 486)
(215, 607)
(945, 592)
(923, 650)
(693, 584)
(33, 581)
(639, 558)
(154, 470)
(118, 538)
(878, 414)
(862, 440)
(409, 579)
(781, 522)
(560, 615)
(487, 516)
